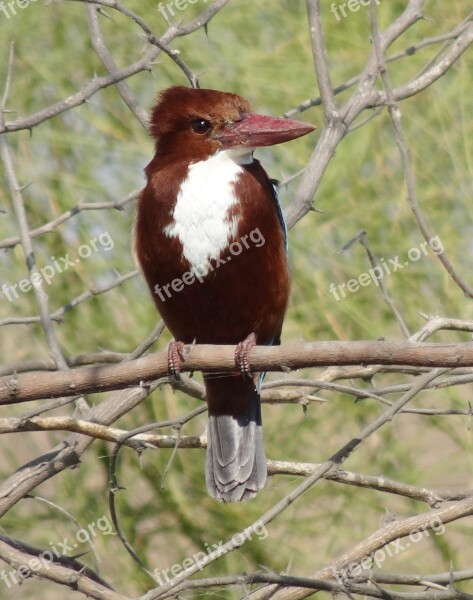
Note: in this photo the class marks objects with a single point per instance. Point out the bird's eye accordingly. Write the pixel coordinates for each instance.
(200, 126)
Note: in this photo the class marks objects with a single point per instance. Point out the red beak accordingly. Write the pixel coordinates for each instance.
(254, 130)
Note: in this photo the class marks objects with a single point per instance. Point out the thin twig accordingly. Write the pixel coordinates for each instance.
(332, 463)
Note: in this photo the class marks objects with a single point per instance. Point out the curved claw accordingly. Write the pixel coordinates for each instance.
(242, 354)
(175, 358)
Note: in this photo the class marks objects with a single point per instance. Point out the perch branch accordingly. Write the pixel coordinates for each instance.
(221, 359)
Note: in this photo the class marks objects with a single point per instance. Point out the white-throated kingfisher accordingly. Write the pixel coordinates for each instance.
(211, 240)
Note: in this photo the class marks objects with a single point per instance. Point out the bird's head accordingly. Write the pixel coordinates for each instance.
(196, 123)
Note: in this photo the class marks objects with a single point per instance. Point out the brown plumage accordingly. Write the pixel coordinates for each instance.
(206, 198)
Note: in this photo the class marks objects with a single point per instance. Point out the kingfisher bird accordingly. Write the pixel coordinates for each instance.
(212, 243)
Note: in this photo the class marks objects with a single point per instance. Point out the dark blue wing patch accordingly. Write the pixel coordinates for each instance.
(275, 185)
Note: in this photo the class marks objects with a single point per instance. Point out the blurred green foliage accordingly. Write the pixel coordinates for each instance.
(97, 153)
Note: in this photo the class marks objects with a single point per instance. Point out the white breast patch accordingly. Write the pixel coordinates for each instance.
(201, 214)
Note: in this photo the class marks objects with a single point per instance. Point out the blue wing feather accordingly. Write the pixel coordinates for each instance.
(282, 221)
(275, 186)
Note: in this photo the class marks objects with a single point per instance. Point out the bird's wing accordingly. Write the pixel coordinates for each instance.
(275, 185)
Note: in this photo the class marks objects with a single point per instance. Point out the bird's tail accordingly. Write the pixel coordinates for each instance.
(235, 462)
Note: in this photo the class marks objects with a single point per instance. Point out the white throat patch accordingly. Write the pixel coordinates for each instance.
(200, 215)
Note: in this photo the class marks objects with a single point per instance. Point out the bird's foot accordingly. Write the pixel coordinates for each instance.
(175, 358)
(242, 355)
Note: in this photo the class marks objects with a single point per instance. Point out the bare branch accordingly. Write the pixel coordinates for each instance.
(60, 312)
(425, 43)
(98, 83)
(395, 530)
(320, 59)
(332, 463)
(67, 453)
(221, 359)
(368, 587)
(28, 251)
(88, 90)
(390, 96)
(63, 570)
(72, 212)
(363, 97)
(437, 70)
(151, 38)
(108, 62)
(141, 441)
